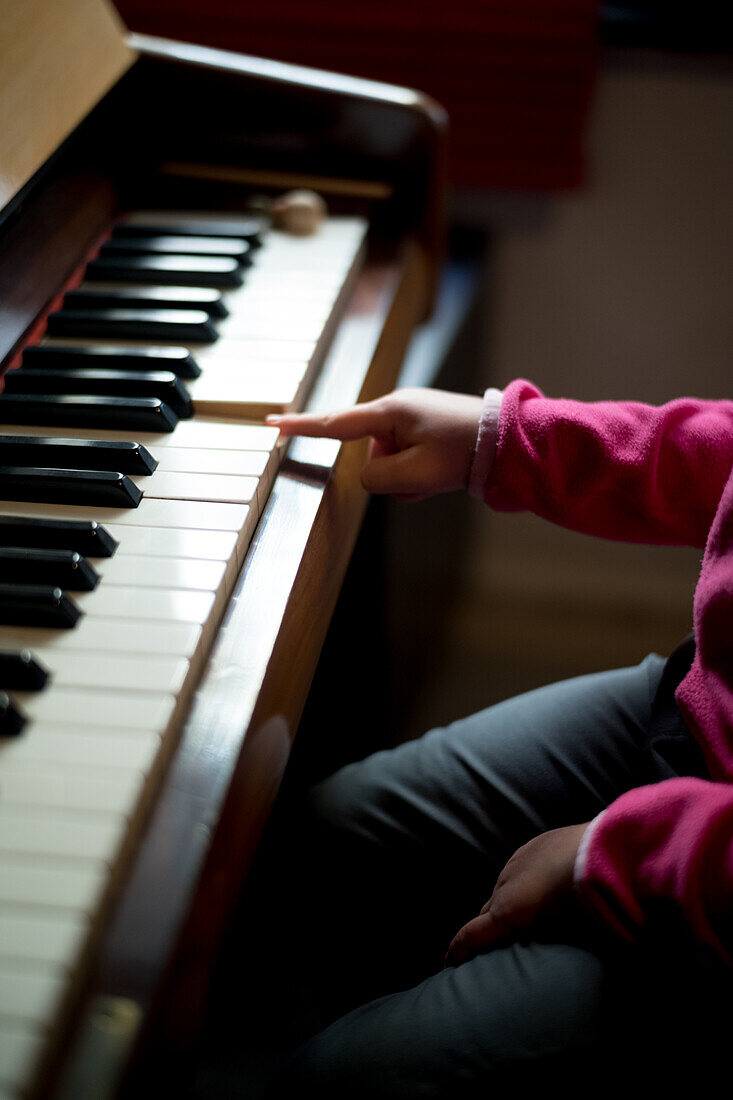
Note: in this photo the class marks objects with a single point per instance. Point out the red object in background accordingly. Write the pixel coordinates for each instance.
(514, 75)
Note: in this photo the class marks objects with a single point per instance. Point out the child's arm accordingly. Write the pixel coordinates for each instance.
(617, 469)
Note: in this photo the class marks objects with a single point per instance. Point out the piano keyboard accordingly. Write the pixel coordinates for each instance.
(103, 637)
(257, 344)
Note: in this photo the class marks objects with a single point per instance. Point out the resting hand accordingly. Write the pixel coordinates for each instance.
(535, 886)
(422, 440)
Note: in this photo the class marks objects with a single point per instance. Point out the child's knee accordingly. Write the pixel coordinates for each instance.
(343, 803)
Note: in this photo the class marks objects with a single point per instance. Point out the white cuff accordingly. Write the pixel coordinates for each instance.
(488, 430)
(582, 854)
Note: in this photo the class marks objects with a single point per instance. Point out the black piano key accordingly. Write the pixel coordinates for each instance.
(132, 414)
(87, 537)
(76, 454)
(213, 271)
(148, 297)
(250, 229)
(88, 488)
(167, 244)
(20, 671)
(191, 325)
(108, 357)
(61, 568)
(163, 385)
(12, 718)
(37, 605)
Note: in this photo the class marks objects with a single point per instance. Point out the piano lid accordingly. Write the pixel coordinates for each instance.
(57, 60)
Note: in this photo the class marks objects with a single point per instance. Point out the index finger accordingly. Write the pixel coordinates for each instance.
(480, 933)
(354, 423)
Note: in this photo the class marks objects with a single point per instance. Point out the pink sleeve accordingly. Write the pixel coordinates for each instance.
(618, 469)
(662, 857)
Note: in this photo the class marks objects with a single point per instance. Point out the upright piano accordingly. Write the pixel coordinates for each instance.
(167, 571)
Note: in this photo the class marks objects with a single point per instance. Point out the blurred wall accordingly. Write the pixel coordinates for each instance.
(626, 290)
(620, 291)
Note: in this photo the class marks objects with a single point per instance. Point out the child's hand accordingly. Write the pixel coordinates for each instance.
(535, 887)
(422, 440)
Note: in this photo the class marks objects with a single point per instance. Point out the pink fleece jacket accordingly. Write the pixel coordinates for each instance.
(660, 857)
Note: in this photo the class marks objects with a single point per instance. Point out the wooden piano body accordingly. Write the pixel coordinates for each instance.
(124, 122)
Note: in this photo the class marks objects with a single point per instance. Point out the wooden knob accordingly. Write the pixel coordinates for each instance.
(299, 212)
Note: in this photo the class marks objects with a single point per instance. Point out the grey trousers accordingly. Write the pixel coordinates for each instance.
(404, 847)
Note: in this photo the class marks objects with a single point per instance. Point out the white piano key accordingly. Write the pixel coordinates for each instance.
(20, 1043)
(141, 571)
(124, 636)
(319, 270)
(199, 515)
(230, 368)
(259, 325)
(232, 362)
(100, 745)
(166, 675)
(63, 834)
(245, 352)
(297, 288)
(209, 433)
(249, 398)
(157, 604)
(205, 461)
(297, 258)
(218, 433)
(29, 991)
(35, 934)
(84, 707)
(114, 790)
(297, 282)
(224, 488)
(171, 542)
(90, 668)
(74, 884)
(298, 298)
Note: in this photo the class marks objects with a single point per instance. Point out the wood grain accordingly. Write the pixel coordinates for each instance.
(57, 60)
